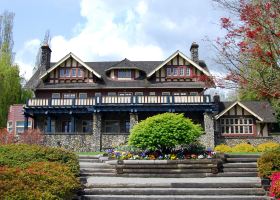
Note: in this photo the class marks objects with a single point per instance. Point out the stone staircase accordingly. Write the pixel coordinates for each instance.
(237, 165)
(102, 183)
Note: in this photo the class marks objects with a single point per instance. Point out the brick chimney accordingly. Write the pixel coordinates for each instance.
(194, 52)
(45, 57)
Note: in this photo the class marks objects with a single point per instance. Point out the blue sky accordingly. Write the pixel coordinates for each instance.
(98, 30)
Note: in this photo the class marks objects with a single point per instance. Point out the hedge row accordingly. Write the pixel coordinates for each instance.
(247, 148)
(36, 172)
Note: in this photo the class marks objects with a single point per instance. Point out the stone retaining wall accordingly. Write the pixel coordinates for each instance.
(73, 142)
(231, 141)
(109, 141)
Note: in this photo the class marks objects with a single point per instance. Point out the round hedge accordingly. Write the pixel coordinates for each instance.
(163, 132)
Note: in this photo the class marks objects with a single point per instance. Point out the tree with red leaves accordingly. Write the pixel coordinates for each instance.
(250, 50)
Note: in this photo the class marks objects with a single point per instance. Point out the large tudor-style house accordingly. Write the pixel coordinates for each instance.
(93, 105)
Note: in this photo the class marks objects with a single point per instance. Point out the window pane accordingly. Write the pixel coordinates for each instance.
(127, 126)
(83, 95)
(241, 129)
(227, 129)
(124, 73)
(19, 123)
(67, 72)
(182, 71)
(188, 71)
(245, 121)
(236, 129)
(61, 72)
(55, 95)
(250, 121)
(231, 121)
(232, 129)
(139, 93)
(69, 96)
(175, 71)
(112, 126)
(246, 129)
(166, 93)
(222, 121)
(227, 121)
(223, 129)
(240, 121)
(168, 71)
(79, 72)
(236, 121)
(250, 129)
(19, 129)
(74, 72)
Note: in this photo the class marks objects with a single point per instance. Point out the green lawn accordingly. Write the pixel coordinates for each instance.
(90, 153)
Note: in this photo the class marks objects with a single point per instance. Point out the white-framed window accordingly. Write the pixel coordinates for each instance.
(112, 94)
(112, 126)
(74, 72)
(127, 126)
(69, 96)
(66, 126)
(80, 74)
(139, 93)
(125, 93)
(55, 95)
(165, 93)
(152, 93)
(20, 126)
(82, 95)
(193, 93)
(188, 71)
(10, 126)
(87, 126)
(175, 71)
(168, 71)
(176, 93)
(182, 71)
(67, 72)
(236, 125)
(124, 73)
(61, 72)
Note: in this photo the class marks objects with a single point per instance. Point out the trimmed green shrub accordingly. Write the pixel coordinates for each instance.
(269, 162)
(267, 146)
(20, 155)
(40, 180)
(243, 147)
(222, 148)
(164, 131)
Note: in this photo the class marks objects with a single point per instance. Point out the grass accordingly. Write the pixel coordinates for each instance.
(90, 153)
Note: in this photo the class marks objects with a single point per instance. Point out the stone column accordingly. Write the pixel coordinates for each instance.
(133, 119)
(208, 139)
(96, 130)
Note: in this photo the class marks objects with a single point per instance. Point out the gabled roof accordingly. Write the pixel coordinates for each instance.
(64, 59)
(183, 56)
(262, 110)
(124, 64)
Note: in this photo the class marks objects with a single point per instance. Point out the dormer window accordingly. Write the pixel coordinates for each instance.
(70, 73)
(124, 73)
(178, 71)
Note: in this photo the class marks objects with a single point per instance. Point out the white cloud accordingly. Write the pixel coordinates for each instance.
(137, 30)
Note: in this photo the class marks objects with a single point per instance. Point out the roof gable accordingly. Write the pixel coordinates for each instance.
(124, 64)
(241, 105)
(64, 59)
(184, 57)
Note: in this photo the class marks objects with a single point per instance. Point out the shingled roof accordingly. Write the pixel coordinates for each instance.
(263, 109)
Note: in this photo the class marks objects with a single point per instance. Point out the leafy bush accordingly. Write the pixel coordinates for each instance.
(243, 147)
(275, 185)
(164, 131)
(40, 180)
(6, 137)
(269, 162)
(267, 146)
(223, 148)
(21, 155)
(31, 136)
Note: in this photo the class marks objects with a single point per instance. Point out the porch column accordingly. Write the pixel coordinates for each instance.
(208, 139)
(25, 122)
(96, 130)
(133, 119)
(73, 125)
(49, 124)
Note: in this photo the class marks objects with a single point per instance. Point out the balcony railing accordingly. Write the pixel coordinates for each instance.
(119, 100)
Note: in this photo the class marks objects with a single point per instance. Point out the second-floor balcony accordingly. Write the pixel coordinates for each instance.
(120, 100)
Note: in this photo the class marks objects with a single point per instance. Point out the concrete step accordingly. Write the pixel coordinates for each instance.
(164, 175)
(103, 174)
(243, 156)
(235, 174)
(175, 191)
(240, 165)
(89, 160)
(241, 160)
(84, 165)
(189, 184)
(172, 197)
(167, 171)
(89, 156)
(235, 169)
(85, 170)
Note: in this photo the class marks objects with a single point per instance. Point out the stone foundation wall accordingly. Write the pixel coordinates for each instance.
(207, 139)
(78, 143)
(254, 141)
(109, 141)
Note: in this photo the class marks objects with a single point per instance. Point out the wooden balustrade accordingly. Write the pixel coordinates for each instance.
(109, 100)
